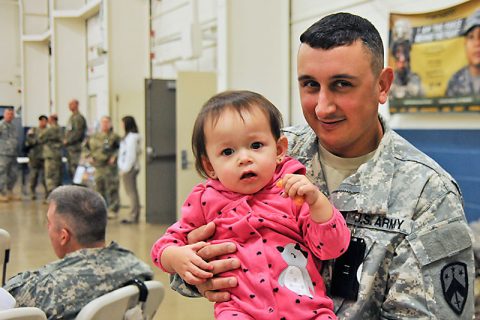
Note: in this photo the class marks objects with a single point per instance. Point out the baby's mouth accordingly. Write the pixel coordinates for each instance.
(247, 175)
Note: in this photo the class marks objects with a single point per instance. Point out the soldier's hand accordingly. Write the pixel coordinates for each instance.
(212, 288)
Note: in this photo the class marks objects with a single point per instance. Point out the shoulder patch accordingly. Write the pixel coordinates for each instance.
(454, 279)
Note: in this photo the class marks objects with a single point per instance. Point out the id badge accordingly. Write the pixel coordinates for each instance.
(344, 278)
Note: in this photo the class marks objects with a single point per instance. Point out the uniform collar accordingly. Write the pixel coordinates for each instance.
(372, 182)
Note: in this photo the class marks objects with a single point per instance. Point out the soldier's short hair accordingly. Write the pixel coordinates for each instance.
(43, 117)
(84, 210)
(343, 29)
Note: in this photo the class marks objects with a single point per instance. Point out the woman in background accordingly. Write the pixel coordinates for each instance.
(129, 165)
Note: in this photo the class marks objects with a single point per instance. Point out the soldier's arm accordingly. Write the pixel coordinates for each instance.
(77, 133)
(86, 149)
(31, 139)
(432, 271)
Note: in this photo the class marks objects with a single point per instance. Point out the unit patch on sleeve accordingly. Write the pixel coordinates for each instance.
(454, 279)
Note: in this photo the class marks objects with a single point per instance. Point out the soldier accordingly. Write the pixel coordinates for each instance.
(74, 136)
(88, 268)
(101, 149)
(52, 152)
(466, 81)
(411, 251)
(406, 83)
(8, 156)
(36, 161)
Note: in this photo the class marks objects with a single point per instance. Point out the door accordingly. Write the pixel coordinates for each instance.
(160, 151)
(193, 90)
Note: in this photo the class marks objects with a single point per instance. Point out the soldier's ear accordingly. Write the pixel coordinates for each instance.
(385, 80)
(65, 237)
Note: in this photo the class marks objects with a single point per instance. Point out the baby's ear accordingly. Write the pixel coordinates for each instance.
(208, 168)
(282, 148)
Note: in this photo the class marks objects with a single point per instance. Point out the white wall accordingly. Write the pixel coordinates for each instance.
(306, 12)
(184, 37)
(10, 80)
(34, 29)
(36, 85)
(69, 66)
(253, 49)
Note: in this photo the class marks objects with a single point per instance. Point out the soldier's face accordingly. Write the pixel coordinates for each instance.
(472, 47)
(340, 93)
(105, 125)
(55, 231)
(8, 115)
(42, 123)
(73, 105)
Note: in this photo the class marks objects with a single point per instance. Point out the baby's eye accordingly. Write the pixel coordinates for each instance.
(257, 145)
(227, 152)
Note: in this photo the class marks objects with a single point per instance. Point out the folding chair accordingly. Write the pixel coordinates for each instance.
(4, 252)
(114, 305)
(26, 313)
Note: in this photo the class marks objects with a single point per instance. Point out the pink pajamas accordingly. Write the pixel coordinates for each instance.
(279, 276)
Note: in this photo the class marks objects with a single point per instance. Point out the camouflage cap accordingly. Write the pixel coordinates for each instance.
(472, 21)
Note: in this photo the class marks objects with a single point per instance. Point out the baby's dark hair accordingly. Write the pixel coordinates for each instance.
(239, 101)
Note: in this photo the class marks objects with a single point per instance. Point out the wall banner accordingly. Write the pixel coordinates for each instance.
(436, 60)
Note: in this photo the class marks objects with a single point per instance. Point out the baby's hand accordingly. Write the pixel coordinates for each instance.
(186, 263)
(299, 188)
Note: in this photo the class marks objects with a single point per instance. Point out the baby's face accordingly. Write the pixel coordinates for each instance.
(242, 153)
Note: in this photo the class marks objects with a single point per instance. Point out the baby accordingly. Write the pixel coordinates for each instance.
(251, 195)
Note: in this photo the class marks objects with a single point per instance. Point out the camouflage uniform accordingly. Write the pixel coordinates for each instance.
(52, 152)
(103, 147)
(62, 288)
(409, 212)
(462, 84)
(8, 156)
(36, 162)
(74, 135)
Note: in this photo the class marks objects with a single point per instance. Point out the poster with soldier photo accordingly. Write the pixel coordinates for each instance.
(436, 60)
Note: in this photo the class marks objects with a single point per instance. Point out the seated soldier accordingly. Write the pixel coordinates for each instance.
(87, 268)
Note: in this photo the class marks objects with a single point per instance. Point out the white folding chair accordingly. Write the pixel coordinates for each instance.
(4, 252)
(114, 305)
(26, 313)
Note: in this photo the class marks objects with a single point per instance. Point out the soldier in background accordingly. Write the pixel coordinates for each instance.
(466, 81)
(87, 268)
(101, 150)
(8, 156)
(74, 135)
(36, 161)
(52, 152)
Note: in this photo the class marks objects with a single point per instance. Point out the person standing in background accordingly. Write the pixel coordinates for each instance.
(74, 136)
(52, 152)
(8, 156)
(36, 162)
(129, 165)
(101, 150)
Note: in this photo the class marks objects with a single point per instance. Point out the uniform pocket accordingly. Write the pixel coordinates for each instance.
(443, 240)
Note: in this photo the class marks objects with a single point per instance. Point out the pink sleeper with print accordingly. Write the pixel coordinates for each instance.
(278, 245)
